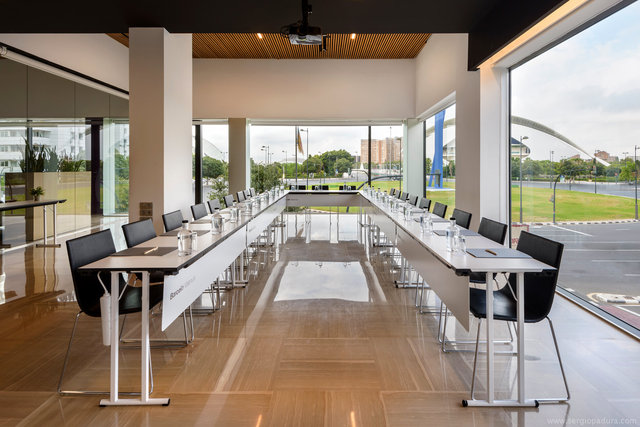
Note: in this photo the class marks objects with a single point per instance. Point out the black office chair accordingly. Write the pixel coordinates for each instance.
(228, 200)
(172, 220)
(252, 192)
(199, 211)
(413, 200)
(324, 187)
(492, 230)
(392, 192)
(213, 204)
(462, 218)
(240, 197)
(88, 290)
(247, 194)
(138, 232)
(424, 203)
(302, 187)
(440, 209)
(539, 291)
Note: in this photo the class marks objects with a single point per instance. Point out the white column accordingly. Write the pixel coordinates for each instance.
(413, 157)
(494, 143)
(160, 114)
(239, 163)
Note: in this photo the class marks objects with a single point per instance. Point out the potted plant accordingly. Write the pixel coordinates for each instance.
(37, 192)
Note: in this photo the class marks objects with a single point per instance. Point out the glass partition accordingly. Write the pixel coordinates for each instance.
(575, 128)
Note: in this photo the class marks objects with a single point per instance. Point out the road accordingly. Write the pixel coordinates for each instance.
(610, 188)
(599, 258)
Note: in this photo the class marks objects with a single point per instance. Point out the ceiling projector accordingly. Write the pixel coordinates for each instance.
(301, 33)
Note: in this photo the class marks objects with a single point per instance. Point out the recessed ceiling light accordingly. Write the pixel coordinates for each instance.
(353, 36)
(259, 35)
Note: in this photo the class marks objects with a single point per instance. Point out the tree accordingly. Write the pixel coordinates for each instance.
(219, 189)
(427, 165)
(342, 165)
(315, 165)
(212, 168)
(628, 172)
(329, 159)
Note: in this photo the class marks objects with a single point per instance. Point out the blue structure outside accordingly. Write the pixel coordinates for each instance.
(436, 165)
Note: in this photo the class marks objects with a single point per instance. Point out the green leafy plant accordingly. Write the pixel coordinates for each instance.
(37, 192)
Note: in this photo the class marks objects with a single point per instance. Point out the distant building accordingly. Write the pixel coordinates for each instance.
(603, 155)
(382, 150)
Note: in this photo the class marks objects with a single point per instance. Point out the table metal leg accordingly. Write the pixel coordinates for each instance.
(144, 348)
(44, 243)
(490, 401)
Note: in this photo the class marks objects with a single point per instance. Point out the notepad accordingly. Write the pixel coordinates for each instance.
(463, 232)
(434, 220)
(140, 251)
(499, 253)
(202, 221)
(175, 232)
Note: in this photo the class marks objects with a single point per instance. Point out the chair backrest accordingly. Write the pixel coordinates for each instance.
(213, 204)
(392, 192)
(462, 218)
(493, 230)
(240, 196)
(199, 211)
(228, 200)
(252, 192)
(138, 232)
(539, 288)
(325, 187)
(424, 203)
(413, 200)
(440, 209)
(172, 220)
(247, 194)
(302, 187)
(82, 251)
(400, 195)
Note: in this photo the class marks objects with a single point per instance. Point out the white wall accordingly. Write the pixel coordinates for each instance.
(304, 89)
(441, 70)
(96, 55)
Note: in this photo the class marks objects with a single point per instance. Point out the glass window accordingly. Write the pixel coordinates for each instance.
(440, 157)
(575, 128)
(215, 161)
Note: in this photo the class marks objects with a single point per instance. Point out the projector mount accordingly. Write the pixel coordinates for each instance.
(301, 33)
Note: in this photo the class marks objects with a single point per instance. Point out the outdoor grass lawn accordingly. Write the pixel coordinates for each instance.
(570, 206)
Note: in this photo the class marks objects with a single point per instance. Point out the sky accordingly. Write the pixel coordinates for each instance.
(587, 89)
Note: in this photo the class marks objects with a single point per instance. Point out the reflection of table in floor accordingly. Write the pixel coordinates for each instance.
(25, 204)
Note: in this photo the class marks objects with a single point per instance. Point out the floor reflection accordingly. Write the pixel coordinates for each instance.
(306, 280)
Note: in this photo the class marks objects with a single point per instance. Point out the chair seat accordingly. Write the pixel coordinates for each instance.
(131, 300)
(504, 306)
(477, 278)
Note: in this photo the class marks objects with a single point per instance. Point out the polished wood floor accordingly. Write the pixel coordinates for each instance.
(320, 337)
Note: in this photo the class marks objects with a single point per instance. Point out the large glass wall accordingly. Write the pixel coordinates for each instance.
(575, 132)
(215, 159)
(70, 140)
(325, 155)
(440, 157)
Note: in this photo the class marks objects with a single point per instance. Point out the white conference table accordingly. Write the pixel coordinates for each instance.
(187, 277)
(447, 274)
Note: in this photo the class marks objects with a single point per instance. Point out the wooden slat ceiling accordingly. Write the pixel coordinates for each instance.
(275, 46)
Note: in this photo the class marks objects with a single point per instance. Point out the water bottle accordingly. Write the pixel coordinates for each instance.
(429, 223)
(184, 240)
(450, 233)
(216, 223)
(233, 213)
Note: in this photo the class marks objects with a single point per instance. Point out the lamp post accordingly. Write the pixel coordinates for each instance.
(522, 138)
(550, 166)
(307, 131)
(595, 173)
(554, 197)
(284, 165)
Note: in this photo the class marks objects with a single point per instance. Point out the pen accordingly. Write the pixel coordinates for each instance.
(151, 250)
(491, 252)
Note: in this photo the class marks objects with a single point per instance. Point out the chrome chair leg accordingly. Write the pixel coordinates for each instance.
(564, 377)
(475, 360)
